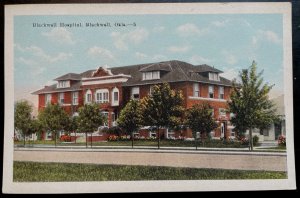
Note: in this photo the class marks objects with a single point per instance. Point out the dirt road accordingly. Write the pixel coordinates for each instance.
(193, 160)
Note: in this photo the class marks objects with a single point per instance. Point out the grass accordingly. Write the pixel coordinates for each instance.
(58, 172)
(275, 148)
(163, 143)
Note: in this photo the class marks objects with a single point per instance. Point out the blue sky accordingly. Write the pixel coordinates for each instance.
(229, 42)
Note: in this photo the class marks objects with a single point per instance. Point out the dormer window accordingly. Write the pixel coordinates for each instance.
(63, 84)
(214, 76)
(152, 75)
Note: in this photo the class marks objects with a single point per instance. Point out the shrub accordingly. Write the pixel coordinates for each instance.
(281, 140)
(65, 138)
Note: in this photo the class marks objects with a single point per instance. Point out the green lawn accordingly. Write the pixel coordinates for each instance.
(55, 172)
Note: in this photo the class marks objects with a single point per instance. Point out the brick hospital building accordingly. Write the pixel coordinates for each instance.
(113, 87)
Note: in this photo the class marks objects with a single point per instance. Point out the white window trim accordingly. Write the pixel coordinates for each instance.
(223, 90)
(222, 112)
(60, 97)
(102, 92)
(88, 92)
(135, 92)
(48, 99)
(113, 101)
(73, 97)
(211, 92)
(106, 114)
(196, 88)
(213, 76)
(63, 84)
(150, 75)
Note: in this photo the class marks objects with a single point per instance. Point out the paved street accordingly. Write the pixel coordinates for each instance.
(195, 159)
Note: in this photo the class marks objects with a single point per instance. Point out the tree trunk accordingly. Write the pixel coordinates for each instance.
(91, 139)
(86, 139)
(158, 138)
(24, 139)
(132, 139)
(75, 137)
(55, 138)
(250, 139)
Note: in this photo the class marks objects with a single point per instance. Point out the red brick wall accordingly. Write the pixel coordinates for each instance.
(41, 101)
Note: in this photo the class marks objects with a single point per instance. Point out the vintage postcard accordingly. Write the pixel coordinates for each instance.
(148, 98)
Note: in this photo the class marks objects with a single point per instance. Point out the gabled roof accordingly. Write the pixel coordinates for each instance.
(161, 66)
(206, 68)
(69, 76)
(53, 88)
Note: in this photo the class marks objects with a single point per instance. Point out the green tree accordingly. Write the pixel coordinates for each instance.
(163, 108)
(23, 118)
(130, 119)
(35, 127)
(89, 119)
(53, 118)
(250, 102)
(199, 119)
(72, 125)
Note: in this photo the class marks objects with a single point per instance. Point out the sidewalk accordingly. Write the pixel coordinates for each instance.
(148, 149)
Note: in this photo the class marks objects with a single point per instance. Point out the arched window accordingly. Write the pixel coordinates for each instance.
(115, 97)
(102, 96)
(88, 96)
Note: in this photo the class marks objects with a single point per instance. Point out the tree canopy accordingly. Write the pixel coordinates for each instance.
(53, 118)
(199, 119)
(22, 116)
(130, 118)
(90, 118)
(250, 102)
(163, 108)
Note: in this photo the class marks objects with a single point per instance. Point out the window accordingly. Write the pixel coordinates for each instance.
(135, 93)
(221, 92)
(63, 84)
(214, 76)
(88, 96)
(211, 91)
(151, 90)
(222, 112)
(115, 96)
(105, 115)
(113, 119)
(101, 96)
(48, 99)
(61, 98)
(75, 98)
(196, 90)
(151, 75)
(212, 112)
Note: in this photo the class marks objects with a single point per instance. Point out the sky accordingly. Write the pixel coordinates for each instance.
(229, 42)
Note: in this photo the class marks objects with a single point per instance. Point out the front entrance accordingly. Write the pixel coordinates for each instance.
(223, 129)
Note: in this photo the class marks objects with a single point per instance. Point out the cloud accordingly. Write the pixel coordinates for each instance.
(42, 55)
(270, 36)
(158, 29)
(60, 35)
(190, 29)
(33, 66)
(159, 57)
(230, 73)
(99, 52)
(229, 58)
(220, 23)
(176, 49)
(137, 36)
(141, 55)
(265, 35)
(197, 59)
